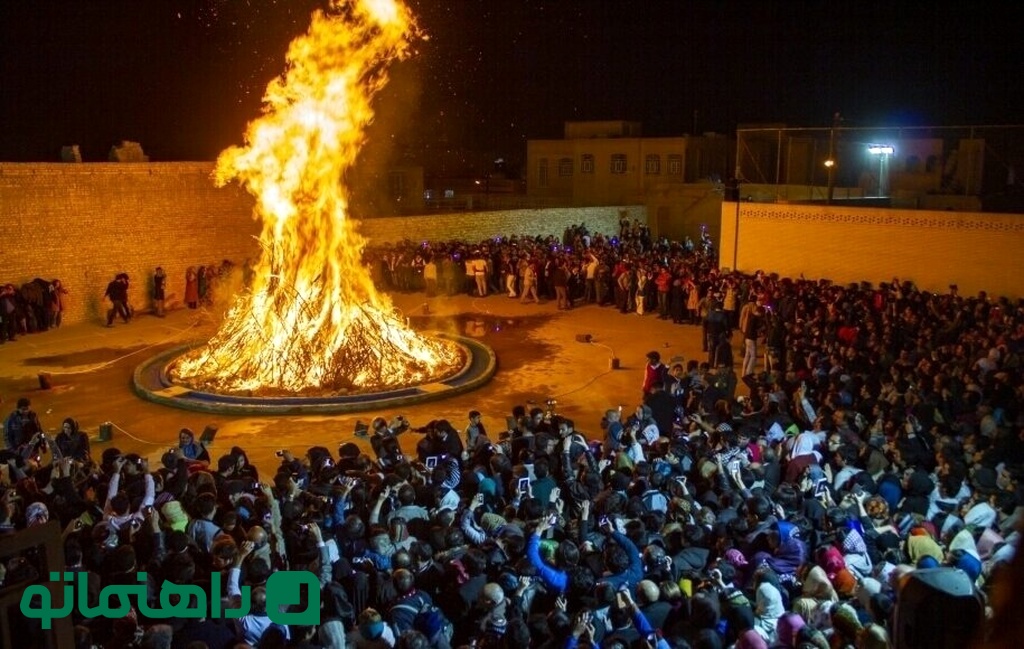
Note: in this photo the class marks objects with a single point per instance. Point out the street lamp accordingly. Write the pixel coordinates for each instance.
(830, 164)
(883, 151)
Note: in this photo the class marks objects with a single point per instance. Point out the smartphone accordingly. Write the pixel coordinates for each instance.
(431, 462)
(524, 485)
(821, 488)
(279, 454)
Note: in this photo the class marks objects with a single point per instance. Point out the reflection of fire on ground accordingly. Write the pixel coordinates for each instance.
(312, 320)
(476, 328)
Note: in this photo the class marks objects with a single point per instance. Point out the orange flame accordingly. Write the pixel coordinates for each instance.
(312, 319)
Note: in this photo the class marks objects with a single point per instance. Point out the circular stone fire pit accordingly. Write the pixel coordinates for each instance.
(152, 382)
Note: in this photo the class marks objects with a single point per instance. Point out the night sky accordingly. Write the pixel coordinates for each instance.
(183, 78)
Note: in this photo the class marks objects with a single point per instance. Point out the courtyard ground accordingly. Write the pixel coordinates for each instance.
(539, 358)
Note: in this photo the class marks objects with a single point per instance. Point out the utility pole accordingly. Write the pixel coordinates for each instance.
(831, 162)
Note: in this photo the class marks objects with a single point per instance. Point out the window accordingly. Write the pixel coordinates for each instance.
(587, 163)
(618, 163)
(565, 167)
(542, 172)
(675, 165)
(396, 184)
(652, 165)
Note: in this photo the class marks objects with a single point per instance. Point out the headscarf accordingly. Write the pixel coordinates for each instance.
(750, 639)
(873, 636)
(845, 621)
(868, 588)
(817, 586)
(922, 545)
(964, 553)
(768, 609)
(788, 627)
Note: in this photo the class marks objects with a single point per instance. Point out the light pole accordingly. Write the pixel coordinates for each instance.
(883, 151)
(831, 162)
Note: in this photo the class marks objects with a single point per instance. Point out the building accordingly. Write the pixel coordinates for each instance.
(611, 163)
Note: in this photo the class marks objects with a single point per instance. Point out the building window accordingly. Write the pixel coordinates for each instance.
(565, 167)
(652, 165)
(675, 165)
(542, 172)
(618, 163)
(396, 184)
(586, 164)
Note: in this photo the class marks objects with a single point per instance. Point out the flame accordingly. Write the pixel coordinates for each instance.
(312, 319)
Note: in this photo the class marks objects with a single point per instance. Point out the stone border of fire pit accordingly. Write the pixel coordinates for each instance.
(150, 382)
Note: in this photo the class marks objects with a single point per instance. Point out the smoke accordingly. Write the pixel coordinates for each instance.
(393, 140)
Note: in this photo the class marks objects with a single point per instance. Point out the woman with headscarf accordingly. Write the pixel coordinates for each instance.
(72, 442)
(768, 609)
(788, 551)
(963, 554)
(816, 598)
(855, 553)
(922, 549)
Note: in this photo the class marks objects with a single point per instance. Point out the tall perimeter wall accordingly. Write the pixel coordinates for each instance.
(975, 251)
(83, 223)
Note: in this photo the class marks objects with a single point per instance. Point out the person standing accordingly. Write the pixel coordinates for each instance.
(56, 303)
(654, 372)
(560, 280)
(117, 293)
(529, 293)
(21, 425)
(8, 313)
(751, 330)
(479, 266)
(159, 291)
(191, 288)
(202, 284)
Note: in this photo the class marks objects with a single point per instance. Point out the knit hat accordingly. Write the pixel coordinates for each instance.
(175, 516)
(487, 486)
(371, 630)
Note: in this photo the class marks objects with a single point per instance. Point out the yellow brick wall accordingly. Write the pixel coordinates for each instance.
(933, 249)
(83, 223)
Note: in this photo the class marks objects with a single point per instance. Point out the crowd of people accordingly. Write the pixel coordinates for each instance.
(780, 503)
(35, 306)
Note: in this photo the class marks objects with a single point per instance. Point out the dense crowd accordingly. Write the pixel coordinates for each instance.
(781, 505)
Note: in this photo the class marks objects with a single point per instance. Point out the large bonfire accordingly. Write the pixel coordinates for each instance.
(312, 321)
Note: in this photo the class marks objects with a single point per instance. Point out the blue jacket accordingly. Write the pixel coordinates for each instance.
(632, 575)
(552, 578)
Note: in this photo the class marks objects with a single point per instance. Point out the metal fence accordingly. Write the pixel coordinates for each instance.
(845, 161)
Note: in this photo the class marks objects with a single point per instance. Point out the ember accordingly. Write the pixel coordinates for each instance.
(312, 320)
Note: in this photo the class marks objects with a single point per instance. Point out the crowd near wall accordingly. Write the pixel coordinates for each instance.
(975, 251)
(84, 223)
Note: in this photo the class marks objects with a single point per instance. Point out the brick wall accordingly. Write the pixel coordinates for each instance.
(83, 223)
(975, 251)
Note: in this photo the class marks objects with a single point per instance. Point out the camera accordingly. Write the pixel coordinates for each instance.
(279, 454)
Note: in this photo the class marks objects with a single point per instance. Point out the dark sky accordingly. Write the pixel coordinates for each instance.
(184, 77)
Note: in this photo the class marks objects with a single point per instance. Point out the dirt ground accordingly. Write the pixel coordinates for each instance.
(539, 358)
